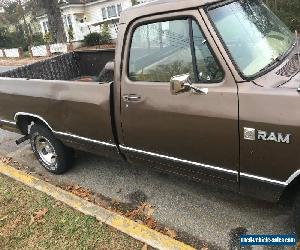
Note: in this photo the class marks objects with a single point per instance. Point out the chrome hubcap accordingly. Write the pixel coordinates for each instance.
(46, 151)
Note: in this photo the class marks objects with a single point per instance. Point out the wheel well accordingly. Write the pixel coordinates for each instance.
(289, 194)
(24, 122)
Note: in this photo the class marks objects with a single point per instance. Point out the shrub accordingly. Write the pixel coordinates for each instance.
(17, 39)
(48, 38)
(105, 34)
(70, 35)
(37, 39)
(5, 39)
(92, 39)
(134, 2)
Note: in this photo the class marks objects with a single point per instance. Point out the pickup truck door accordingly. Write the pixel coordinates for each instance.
(189, 134)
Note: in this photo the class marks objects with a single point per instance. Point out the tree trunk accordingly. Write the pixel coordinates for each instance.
(56, 26)
(27, 27)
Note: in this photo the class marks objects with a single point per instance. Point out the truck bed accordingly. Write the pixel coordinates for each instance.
(65, 94)
(79, 65)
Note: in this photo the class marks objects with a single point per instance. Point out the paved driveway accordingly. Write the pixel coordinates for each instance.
(200, 211)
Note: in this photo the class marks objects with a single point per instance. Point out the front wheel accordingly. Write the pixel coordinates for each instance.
(50, 152)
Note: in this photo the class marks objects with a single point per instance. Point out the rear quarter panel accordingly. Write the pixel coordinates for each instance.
(81, 109)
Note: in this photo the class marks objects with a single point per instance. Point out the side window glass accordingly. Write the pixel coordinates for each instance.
(162, 50)
(208, 68)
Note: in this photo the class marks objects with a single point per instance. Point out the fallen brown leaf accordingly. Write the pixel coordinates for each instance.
(151, 223)
(143, 214)
(5, 160)
(145, 247)
(58, 204)
(3, 218)
(41, 213)
(132, 214)
(38, 216)
(148, 211)
(32, 220)
(171, 233)
(80, 191)
(139, 221)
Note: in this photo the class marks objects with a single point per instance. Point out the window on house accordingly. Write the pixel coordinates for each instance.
(46, 27)
(119, 7)
(70, 26)
(111, 10)
(65, 21)
(104, 13)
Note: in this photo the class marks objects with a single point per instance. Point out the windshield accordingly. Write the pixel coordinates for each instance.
(254, 36)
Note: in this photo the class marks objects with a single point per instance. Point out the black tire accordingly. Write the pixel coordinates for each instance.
(297, 214)
(50, 152)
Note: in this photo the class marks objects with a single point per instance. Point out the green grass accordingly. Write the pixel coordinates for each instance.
(60, 228)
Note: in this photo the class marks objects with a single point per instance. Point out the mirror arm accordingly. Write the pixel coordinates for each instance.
(203, 91)
(183, 83)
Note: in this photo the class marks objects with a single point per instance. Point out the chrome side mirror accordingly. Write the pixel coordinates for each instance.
(182, 83)
(177, 84)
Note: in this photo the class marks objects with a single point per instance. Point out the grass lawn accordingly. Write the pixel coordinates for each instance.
(32, 220)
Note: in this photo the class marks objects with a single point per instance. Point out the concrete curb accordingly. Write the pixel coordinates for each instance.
(121, 223)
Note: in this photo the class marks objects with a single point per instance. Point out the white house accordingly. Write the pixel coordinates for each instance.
(85, 16)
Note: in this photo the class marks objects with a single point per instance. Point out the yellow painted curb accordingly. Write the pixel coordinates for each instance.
(121, 223)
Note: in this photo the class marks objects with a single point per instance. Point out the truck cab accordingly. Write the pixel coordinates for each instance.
(240, 129)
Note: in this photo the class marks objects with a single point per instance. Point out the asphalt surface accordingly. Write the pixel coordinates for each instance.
(202, 212)
(6, 68)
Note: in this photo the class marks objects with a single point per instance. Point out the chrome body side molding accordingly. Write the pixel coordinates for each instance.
(108, 144)
(179, 160)
(212, 167)
(8, 122)
(263, 179)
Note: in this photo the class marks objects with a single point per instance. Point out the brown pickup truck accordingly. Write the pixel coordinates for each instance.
(205, 89)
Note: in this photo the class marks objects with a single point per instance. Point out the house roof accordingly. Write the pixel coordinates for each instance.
(161, 6)
(42, 12)
(69, 2)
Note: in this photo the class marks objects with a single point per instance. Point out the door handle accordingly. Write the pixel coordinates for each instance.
(131, 98)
